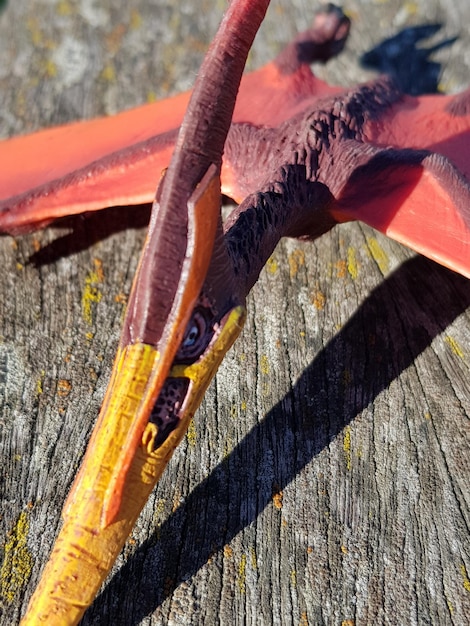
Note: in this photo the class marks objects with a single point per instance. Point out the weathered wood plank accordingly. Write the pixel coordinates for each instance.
(325, 480)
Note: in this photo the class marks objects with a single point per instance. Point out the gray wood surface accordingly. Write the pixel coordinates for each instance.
(325, 480)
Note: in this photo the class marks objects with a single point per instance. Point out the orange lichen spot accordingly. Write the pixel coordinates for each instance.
(277, 499)
(64, 387)
(91, 293)
(120, 298)
(352, 263)
(114, 38)
(296, 260)
(242, 574)
(347, 446)
(309, 549)
(318, 300)
(228, 551)
(272, 265)
(303, 619)
(168, 585)
(17, 564)
(264, 365)
(341, 268)
(36, 244)
(454, 346)
(191, 434)
(378, 254)
(347, 622)
(344, 550)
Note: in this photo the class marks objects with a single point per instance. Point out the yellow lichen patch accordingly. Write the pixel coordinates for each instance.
(454, 346)
(176, 501)
(347, 446)
(17, 561)
(254, 560)
(49, 69)
(191, 434)
(35, 32)
(242, 574)
(136, 20)
(378, 254)
(318, 300)
(352, 263)
(272, 265)
(64, 8)
(108, 74)
(296, 260)
(293, 578)
(347, 622)
(39, 383)
(341, 268)
(243, 405)
(466, 581)
(91, 294)
(344, 550)
(264, 365)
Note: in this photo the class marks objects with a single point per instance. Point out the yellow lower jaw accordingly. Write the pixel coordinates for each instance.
(85, 551)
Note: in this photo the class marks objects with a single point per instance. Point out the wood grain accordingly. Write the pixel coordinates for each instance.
(325, 479)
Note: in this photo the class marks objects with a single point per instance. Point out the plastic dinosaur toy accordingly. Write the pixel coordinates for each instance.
(299, 156)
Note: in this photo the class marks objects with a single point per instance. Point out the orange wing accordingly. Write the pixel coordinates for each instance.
(118, 160)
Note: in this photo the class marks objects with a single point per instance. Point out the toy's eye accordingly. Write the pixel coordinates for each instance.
(196, 337)
(193, 334)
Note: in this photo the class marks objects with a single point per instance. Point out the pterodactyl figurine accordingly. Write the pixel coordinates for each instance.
(300, 156)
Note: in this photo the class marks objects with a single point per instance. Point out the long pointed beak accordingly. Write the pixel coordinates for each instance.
(85, 550)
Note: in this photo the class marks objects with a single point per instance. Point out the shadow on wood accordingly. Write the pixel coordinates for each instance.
(402, 317)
